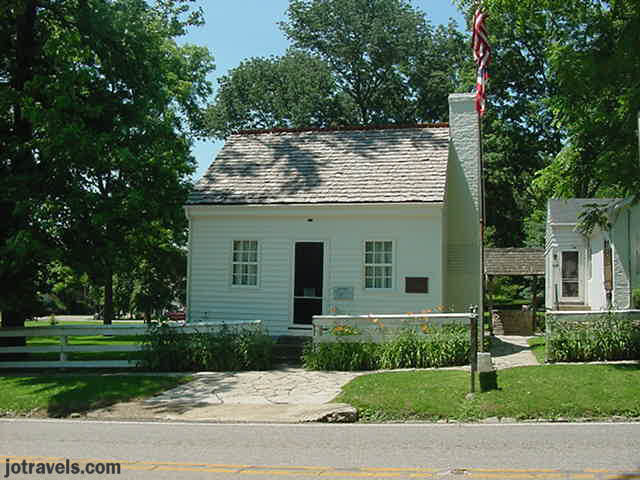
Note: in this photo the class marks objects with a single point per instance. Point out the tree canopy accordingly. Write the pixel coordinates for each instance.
(563, 98)
(351, 62)
(100, 106)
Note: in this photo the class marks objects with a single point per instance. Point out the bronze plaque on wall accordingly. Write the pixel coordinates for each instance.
(416, 285)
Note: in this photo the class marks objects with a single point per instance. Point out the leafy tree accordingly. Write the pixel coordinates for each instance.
(563, 98)
(295, 90)
(519, 135)
(102, 107)
(596, 66)
(351, 62)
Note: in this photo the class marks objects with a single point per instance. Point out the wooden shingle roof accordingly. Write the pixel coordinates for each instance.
(372, 165)
(514, 261)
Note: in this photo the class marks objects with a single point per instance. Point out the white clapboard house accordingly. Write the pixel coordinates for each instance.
(291, 223)
(595, 271)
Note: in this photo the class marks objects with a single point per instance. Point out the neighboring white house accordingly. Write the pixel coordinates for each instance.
(594, 272)
(291, 223)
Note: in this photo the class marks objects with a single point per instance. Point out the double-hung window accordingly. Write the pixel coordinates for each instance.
(245, 263)
(378, 264)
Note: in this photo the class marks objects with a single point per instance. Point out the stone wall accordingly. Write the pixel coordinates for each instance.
(512, 322)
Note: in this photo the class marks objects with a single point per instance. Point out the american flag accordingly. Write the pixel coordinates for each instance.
(482, 57)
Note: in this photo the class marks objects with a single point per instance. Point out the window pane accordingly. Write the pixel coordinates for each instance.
(253, 269)
(253, 280)
(570, 289)
(237, 245)
(368, 258)
(377, 246)
(387, 258)
(569, 264)
(368, 282)
(377, 258)
(387, 271)
(377, 282)
(387, 283)
(387, 246)
(368, 246)
(253, 245)
(368, 271)
(253, 256)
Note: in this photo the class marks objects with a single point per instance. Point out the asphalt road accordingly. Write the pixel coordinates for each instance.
(237, 451)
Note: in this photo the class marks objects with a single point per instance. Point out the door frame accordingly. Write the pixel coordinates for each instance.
(293, 327)
(581, 284)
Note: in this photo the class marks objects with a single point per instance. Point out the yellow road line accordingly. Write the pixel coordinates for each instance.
(515, 470)
(516, 475)
(333, 472)
(383, 469)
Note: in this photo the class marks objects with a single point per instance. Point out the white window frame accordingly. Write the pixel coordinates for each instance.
(378, 264)
(245, 260)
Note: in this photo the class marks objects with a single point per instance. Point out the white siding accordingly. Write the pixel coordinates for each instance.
(415, 230)
(564, 238)
(464, 203)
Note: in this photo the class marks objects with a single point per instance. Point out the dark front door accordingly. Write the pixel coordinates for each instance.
(307, 292)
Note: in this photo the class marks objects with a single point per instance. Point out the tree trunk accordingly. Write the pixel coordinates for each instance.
(25, 51)
(108, 299)
(12, 320)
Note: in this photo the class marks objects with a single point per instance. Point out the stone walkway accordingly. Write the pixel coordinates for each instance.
(511, 351)
(286, 385)
(286, 394)
(297, 386)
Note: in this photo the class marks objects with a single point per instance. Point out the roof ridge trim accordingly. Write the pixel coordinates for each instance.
(345, 128)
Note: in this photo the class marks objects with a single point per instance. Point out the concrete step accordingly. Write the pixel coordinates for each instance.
(573, 307)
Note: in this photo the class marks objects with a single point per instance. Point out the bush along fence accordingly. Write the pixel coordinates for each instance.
(160, 347)
(592, 336)
(371, 342)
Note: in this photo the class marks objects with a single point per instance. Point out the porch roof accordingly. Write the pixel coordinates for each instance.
(514, 261)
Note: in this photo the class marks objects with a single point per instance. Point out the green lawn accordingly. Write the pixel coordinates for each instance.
(58, 396)
(538, 348)
(84, 340)
(549, 391)
(78, 323)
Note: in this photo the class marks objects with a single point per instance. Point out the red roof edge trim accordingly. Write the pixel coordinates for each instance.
(392, 126)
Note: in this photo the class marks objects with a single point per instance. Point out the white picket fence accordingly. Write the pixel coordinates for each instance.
(381, 328)
(67, 331)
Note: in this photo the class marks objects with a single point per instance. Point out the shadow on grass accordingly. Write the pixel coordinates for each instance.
(488, 381)
(500, 348)
(68, 394)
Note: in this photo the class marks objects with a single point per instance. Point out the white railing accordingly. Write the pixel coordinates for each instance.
(66, 331)
(380, 328)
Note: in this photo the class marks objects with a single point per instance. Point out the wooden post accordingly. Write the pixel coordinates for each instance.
(534, 299)
(64, 341)
(473, 318)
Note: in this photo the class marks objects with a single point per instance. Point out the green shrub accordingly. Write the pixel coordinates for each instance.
(443, 346)
(340, 356)
(540, 324)
(608, 337)
(165, 348)
(635, 298)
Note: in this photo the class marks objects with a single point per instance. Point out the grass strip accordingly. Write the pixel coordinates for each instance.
(538, 348)
(548, 392)
(59, 396)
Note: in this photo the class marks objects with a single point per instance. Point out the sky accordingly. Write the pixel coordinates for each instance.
(241, 29)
